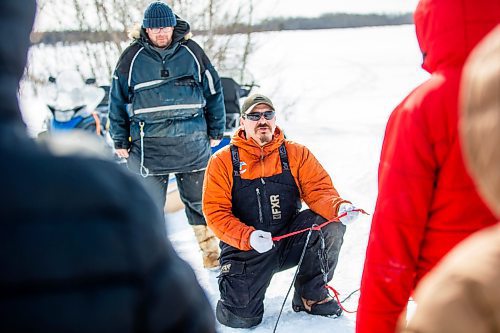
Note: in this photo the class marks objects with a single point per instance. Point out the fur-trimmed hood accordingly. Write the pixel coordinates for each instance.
(182, 31)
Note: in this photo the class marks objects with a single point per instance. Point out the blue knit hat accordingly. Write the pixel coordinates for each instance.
(158, 15)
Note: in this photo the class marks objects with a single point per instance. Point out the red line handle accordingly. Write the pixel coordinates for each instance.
(335, 219)
(336, 294)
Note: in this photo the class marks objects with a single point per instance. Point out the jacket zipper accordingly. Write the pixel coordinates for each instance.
(261, 218)
(262, 164)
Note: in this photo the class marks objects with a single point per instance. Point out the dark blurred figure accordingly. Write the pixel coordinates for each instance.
(75, 255)
(427, 202)
(462, 294)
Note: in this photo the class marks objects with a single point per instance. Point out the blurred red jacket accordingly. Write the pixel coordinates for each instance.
(427, 202)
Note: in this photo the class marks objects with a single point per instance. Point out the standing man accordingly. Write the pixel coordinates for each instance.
(252, 192)
(427, 202)
(166, 111)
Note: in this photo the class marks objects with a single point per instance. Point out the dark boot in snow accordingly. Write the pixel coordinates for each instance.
(326, 307)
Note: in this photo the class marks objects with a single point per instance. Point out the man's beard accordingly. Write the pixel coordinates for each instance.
(163, 43)
(264, 137)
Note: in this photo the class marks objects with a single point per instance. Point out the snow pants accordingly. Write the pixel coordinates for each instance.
(246, 275)
(190, 189)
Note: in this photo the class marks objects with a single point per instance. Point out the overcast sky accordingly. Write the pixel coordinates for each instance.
(311, 8)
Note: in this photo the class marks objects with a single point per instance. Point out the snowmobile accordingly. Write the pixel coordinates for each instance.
(76, 104)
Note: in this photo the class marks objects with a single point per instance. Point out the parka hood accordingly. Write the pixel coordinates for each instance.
(447, 30)
(17, 18)
(182, 30)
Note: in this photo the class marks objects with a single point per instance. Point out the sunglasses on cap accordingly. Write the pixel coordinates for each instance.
(255, 116)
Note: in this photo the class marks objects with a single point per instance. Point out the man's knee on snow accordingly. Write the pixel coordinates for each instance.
(229, 318)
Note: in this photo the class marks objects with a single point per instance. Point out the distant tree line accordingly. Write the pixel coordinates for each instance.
(333, 21)
(326, 21)
(76, 36)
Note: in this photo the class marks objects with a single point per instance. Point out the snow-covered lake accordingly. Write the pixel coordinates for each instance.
(333, 91)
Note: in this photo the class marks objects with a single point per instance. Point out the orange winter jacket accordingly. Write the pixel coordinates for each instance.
(315, 185)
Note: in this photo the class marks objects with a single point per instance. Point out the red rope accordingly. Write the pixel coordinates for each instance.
(318, 227)
(335, 219)
(336, 294)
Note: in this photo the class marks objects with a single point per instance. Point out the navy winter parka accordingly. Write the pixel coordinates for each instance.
(175, 100)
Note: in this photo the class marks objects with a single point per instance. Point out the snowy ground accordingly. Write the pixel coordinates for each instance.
(334, 91)
(337, 89)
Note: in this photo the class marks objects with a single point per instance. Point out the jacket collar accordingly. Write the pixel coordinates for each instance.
(253, 148)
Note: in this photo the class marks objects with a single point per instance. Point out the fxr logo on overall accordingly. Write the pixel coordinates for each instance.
(275, 206)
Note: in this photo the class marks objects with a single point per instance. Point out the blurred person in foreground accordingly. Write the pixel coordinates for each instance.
(166, 110)
(75, 256)
(427, 202)
(462, 294)
(253, 191)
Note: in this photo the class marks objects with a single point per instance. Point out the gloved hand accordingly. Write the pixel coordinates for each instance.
(261, 241)
(351, 214)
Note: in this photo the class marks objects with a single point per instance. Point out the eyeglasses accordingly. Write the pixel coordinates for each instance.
(157, 30)
(255, 116)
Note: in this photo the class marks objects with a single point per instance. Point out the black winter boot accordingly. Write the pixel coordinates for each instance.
(329, 308)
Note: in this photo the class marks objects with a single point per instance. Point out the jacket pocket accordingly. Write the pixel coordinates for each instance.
(174, 99)
(185, 81)
(233, 284)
